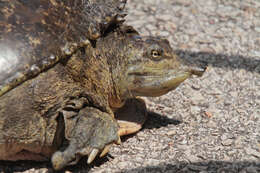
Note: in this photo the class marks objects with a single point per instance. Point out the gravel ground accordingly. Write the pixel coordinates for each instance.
(209, 124)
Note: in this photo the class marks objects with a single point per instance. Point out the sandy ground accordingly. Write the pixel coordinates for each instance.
(209, 124)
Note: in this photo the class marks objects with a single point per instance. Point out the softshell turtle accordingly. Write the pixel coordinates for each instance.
(85, 101)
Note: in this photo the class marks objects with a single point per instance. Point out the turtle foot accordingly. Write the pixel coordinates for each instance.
(89, 133)
(131, 116)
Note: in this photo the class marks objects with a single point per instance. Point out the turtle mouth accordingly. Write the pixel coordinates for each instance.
(152, 71)
(156, 84)
(153, 82)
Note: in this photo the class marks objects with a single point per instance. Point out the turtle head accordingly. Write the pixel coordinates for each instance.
(153, 69)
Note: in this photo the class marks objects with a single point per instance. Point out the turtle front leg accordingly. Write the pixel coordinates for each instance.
(88, 133)
(131, 116)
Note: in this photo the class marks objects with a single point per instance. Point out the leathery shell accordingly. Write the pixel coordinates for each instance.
(37, 34)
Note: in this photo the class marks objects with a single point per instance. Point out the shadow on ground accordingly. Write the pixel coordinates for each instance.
(32, 166)
(208, 166)
(231, 62)
(155, 121)
(175, 167)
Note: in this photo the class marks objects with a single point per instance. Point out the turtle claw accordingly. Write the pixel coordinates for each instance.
(118, 142)
(105, 150)
(92, 155)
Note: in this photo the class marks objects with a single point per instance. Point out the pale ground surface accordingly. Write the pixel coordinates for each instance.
(209, 124)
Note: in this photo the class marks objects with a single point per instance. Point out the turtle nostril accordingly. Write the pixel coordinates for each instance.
(203, 65)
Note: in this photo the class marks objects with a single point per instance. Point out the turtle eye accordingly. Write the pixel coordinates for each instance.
(155, 54)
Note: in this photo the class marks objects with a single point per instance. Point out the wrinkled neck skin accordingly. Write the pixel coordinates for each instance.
(116, 57)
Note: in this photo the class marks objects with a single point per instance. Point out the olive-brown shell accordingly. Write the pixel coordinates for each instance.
(36, 34)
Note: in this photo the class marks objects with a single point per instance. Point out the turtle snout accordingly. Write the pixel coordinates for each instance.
(200, 68)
